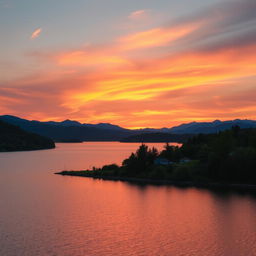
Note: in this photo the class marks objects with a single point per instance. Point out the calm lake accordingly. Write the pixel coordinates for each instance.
(50, 215)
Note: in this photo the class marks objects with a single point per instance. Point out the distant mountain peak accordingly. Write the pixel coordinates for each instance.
(12, 117)
(109, 126)
(70, 123)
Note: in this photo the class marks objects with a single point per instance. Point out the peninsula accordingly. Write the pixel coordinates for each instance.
(228, 158)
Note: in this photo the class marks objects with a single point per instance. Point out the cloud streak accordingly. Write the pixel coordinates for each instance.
(138, 14)
(36, 33)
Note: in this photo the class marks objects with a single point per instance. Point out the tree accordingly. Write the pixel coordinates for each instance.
(141, 160)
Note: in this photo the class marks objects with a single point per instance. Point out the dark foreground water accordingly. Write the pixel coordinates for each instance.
(45, 214)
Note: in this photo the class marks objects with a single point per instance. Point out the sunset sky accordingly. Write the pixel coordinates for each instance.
(146, 63)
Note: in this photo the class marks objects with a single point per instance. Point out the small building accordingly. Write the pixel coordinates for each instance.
(162, 161)
(185, 160)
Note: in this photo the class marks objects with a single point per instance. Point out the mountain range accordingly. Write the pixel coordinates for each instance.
(212, 127)
(70, 130)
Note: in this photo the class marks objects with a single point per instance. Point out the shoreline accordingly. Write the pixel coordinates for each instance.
(145, 181)
(27, 150)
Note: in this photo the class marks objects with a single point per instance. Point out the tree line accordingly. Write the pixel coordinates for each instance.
(228, 156)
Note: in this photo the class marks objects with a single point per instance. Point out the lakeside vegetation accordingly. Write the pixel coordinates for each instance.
(13, 138)
(157, 137)
(226, 157)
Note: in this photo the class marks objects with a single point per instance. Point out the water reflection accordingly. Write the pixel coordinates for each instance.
(46, 214)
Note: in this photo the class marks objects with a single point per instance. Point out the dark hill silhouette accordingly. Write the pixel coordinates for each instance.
(212, 127)
(13, 138)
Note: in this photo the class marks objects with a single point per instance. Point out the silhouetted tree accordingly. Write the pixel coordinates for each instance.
(141, 160)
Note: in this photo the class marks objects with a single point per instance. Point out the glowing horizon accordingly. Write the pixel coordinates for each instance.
(154, 71)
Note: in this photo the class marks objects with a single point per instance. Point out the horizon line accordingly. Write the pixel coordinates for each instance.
(133, 127)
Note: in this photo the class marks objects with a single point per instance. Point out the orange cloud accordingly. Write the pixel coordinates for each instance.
(156, 78)
(156, 37)
(157, 92)
(118, 52)
(36, 33)
(86, 58)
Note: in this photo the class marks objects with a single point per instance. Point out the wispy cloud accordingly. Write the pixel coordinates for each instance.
(138, 14)
(36, 33)
(156, 37)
